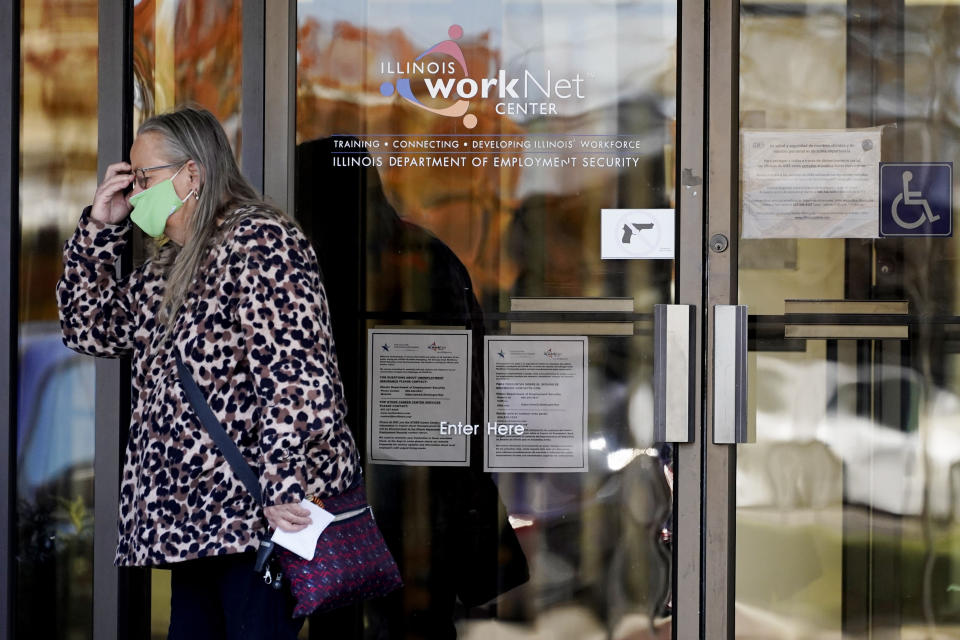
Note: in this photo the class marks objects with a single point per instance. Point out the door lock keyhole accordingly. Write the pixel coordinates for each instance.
(719, 242)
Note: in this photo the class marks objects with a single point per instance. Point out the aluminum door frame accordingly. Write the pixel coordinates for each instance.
(720, 288)
(9, 274)
(280, 86)
(689, 497)
(113, 588)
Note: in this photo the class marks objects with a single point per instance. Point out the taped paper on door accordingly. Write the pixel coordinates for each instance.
(416, 380)
(536, 404)
(634, 234)
(811, 183)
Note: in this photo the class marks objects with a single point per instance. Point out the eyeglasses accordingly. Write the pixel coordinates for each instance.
(140, 175)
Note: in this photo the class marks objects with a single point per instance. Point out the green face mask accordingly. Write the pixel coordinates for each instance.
(152, 207)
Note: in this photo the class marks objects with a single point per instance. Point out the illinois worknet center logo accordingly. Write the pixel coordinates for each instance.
(445, 77)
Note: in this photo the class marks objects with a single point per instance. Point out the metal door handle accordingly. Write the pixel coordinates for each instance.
(730, 425)
(674, 371)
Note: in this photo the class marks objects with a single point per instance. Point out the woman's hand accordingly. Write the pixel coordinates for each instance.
(287, 517)
(109, 202)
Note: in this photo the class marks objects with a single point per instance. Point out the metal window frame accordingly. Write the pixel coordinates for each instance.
(280, 83)
(720, 288)
(120, 596)
(9, 274)
(688, 498)
(252, 100)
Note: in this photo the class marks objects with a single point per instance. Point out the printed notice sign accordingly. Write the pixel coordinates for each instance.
(811, 183)
(636, 234)
(417, 379)
(535, 411)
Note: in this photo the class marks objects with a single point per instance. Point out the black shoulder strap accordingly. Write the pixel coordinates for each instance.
(227, 446)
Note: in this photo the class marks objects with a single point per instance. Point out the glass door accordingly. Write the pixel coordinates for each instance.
(494, 185)
(847, 494)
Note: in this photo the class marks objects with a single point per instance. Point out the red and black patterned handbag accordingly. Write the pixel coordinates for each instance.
(351, 562)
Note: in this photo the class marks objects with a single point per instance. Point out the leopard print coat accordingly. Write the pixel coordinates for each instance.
(254, 330)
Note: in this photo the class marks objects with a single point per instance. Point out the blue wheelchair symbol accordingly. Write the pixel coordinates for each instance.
(916, 199)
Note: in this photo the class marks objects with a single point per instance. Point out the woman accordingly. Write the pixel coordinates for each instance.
(236, 292)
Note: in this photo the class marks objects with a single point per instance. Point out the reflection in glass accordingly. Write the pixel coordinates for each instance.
(846, 505)
(54, 474)
(403, 244)
(189, 51)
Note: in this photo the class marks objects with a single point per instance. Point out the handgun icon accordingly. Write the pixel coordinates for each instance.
(628, 232)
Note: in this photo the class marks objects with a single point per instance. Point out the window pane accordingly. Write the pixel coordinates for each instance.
(58, 160)
(189, 52)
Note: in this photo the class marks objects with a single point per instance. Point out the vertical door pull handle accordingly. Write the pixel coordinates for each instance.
(674, 371)
(730, 425)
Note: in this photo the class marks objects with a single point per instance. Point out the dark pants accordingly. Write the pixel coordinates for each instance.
(221, 598)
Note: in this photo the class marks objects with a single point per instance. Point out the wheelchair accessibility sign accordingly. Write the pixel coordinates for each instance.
(916, 199)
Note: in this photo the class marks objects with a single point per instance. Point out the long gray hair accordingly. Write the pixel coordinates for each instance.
(195, 134)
